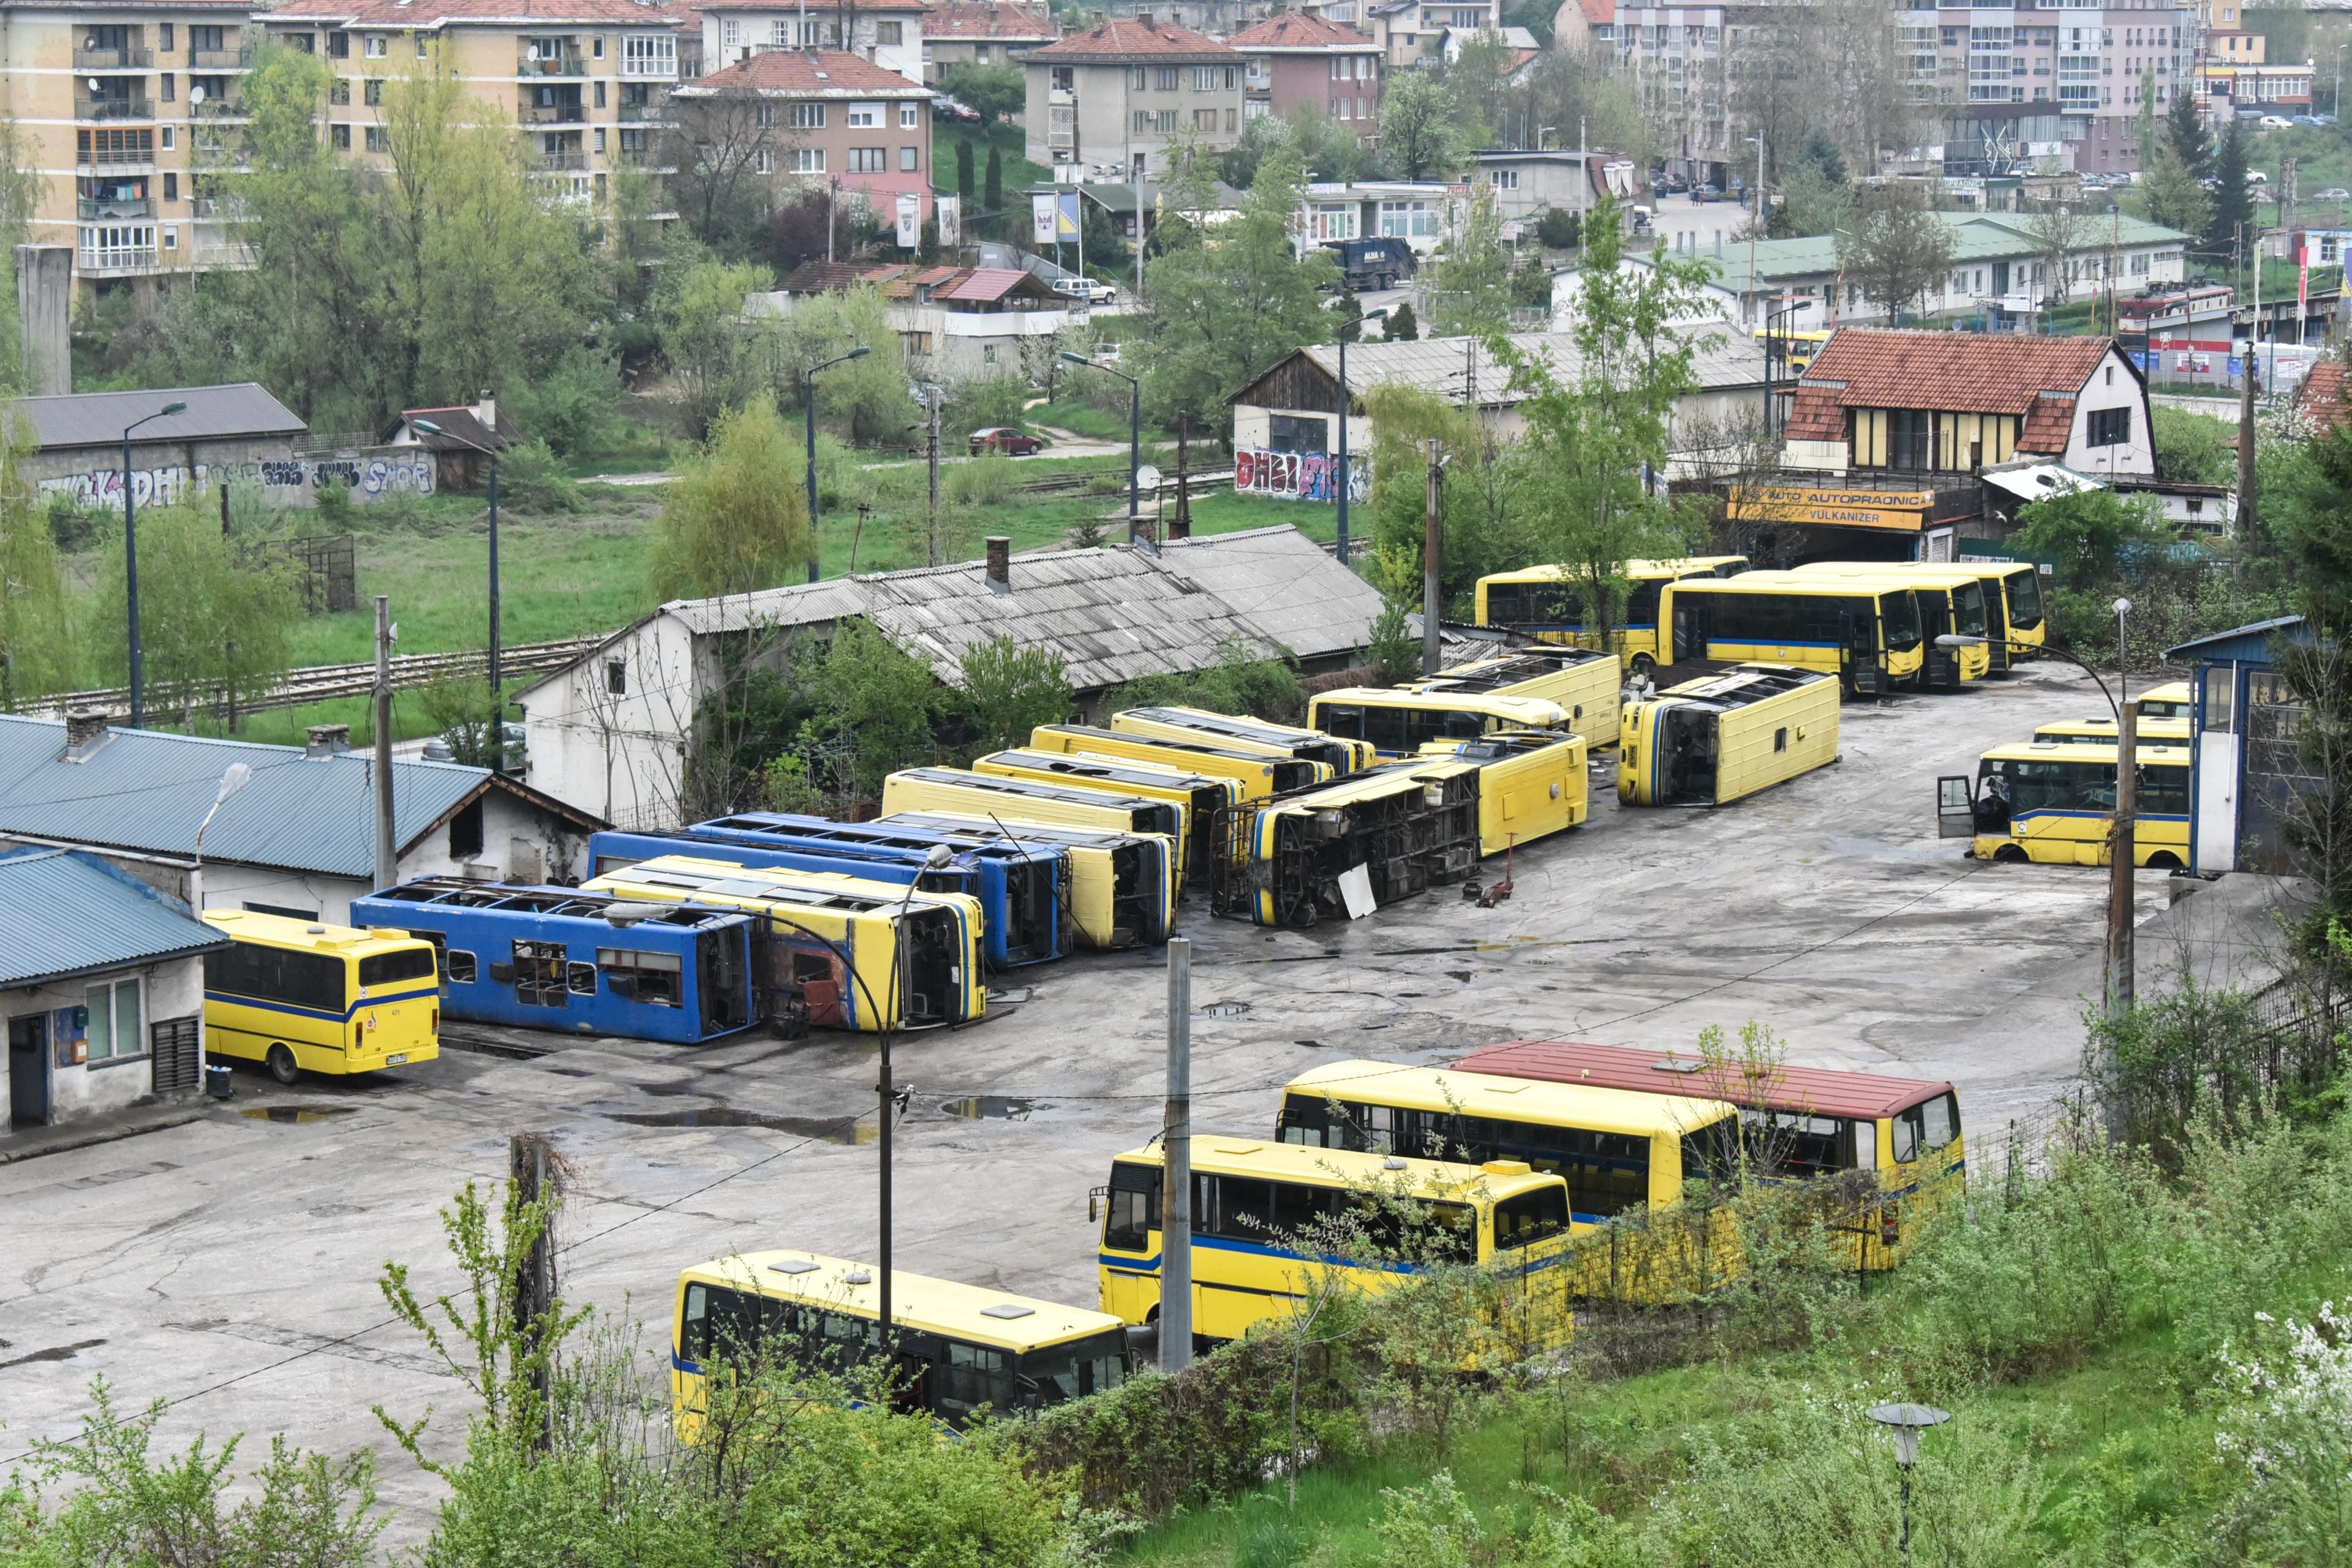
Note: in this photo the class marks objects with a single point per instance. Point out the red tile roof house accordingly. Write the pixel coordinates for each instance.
(986, 34)
(1296, 58)
(1127, 92)
(959, 322)
(836, 118)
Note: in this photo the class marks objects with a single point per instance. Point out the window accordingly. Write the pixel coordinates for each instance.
(1166, 78)
(372, 92)
(538, 979)
(579, 979)
(767, 161)
(865, 116)
(171, 236)
(377, 141)
(730, 35)
(114, 1021)
(111, 245)
(1230, 120)
(393, 968)
(2110, 427)
(339, 90)
(375, 46)
(465, 968)
(868, 159)
(1204, 120)
(1780, 739)
(653, 54)
(1530, 1217)
(808, 160)
(599, 94)
(1206, 78)
(808, 117)
(763, 115)
(1134, 1209)
(596, 50)
(310, 981)
(1507, 179)
(1164, 122)
(170, 89)
(1143, 121)
(907, 160)
(889, 34)
(170, 187)
(987, 354)
(339, 137)
(466, 833)
(616, 676)
(655, 979)
(908, 118)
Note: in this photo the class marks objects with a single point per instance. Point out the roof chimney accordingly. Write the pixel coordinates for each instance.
(1144, 20)
(1000, 563)
(325, 740)
(487, 411)
(1180, 526)
(85, 728)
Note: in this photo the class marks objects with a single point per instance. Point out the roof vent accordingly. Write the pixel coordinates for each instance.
(325, 740)
(86, 731)
(794, 1266)
(1008, 1310)
(630, 914)
(858, 1277)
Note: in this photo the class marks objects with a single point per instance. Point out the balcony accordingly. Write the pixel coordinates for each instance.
(565, 64)
(238, 58)
(113, 59)
(114, 109)
(219, 109)
(116, 157)
(562, 162)
(647, 113)
(551, 114)
(92, 209)
(115, 259)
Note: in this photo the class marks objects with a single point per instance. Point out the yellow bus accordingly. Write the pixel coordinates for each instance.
(2173, 700)
(835, 940)
(1185, 725)
(1798, 1123)
(1951, 599)
(1033, 800)
(1344, 848)
(1546, 602)
(1399, 723)
(1711, 741)
(1531, 783)
(2101, 731)
(2055, 804)
(1196, 796)
(1793, 350)
(1259, 772)
(955, 1351)
(299, 997)
(1866, 634)
(2012, 605)
(1588, 684)
(1258, 1204)
(1122, 891)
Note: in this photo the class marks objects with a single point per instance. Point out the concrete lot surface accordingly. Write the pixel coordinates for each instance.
(230, 1264)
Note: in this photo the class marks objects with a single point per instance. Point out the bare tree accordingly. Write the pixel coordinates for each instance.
(731, 153)
(2058, 231)
(1896, 250)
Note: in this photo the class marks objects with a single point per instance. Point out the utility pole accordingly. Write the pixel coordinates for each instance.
(933, 398)
(1176, 1148)
(2124, 856)
(387, 849)
(1183, 529)
(534, 1280)
(1432, 541)
(2246, 477)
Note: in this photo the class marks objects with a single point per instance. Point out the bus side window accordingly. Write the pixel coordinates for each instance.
(694, 1332)
(1908, 1127)
(1940, 1121)
(1305, 1120)
(1642, 604)
(1386, 729)
(1348, 723)
(465, 968)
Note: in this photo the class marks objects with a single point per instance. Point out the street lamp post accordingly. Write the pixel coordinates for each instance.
(498, 616)
(1134, 436)
(1368, 316)
(886, 1092)
(130, 568)
(1908, 1421)
(808, 403)
(234, 777)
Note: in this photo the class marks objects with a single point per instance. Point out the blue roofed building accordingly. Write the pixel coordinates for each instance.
(299, 840)
(102, 985)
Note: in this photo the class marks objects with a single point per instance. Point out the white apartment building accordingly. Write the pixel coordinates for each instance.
(887, 32)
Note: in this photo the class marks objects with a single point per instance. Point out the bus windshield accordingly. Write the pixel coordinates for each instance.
(390, 968)
(1530, 1217)
(1073, 1371)
(1901, 613)
(2024, 600)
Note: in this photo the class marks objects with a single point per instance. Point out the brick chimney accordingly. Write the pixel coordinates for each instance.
(1000, 563)
(325, 740)
(1179, 526)
(85, 728)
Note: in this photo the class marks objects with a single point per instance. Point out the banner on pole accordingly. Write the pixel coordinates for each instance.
(949, 212)
(911, 220)
(1041, 220)
(1067, 221)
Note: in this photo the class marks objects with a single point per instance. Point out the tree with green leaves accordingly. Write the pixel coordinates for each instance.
(699, 306)
(35, 625)
(994, 198)
(1468, 285)
(1010, 690)
(1819, 152)
(1419, 138)
(2233, 195)
(1811, 203)
(2089, 535)
(2176, 196)
(1897, 250)
(1483, 522)
(214, 614)
(736, 518)
(876, 703)
(1403, 326)
(994, 92)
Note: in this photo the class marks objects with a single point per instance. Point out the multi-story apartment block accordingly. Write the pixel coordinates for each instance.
(1126, 91)
(887, 32)
(1673, 60)
(835, 119)
(587, 81)
(2237, 74)
(120, 106)
(1407, 30)
(987, 34)
(1295, 60)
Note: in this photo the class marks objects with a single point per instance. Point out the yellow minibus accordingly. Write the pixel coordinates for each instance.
(1711, 741)
(956, 1351)
(1184, 725)
(299, 997)
(1866, 634)
(1547, 603)
(1586, 684)
(1399, 723)
(2055, 804)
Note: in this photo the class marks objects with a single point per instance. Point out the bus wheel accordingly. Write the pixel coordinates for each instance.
(2010, 855)
(282, 1065)
(2165, 861)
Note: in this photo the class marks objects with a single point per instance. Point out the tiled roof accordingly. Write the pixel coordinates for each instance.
(822, 73)
(427, 15)
(1009, 24)
(1971, 373)
(462, 429)
(1600, 13)
(986, 283)
(826, 8)
(1820, 1091)
(1123, 38)
(1720, 362)
(836, 276)
(2320, 399)
(66, 912)
(2048, 423)
(1298, 31)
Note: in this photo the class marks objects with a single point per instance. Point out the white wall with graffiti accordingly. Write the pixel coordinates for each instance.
(369, 476)
(1298, 475)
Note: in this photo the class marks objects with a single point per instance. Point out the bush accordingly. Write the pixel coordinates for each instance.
(990, 480)
(1559, 228)
(981, 402)
(1239, 682)
(531, 479)
(573, 406)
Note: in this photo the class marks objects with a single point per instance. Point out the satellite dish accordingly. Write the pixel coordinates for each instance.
(195, 95)
(94, 86)
(1147, 478)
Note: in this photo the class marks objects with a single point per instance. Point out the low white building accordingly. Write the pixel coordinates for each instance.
(954, 323)
(1528, 181)
(1424, 213)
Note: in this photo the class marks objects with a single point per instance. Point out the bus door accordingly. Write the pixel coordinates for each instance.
(1689, 641)
(1955, 807)
(1864, 661)
(1942, 671)
(725, 1001)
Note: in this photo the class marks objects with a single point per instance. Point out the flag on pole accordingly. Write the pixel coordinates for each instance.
(1041, 218)
(949, 212)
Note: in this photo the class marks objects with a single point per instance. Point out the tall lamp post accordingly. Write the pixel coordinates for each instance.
(130, 568)
(1344, 337)
(1908, 1421)
(234, 777)
(1134, 433)
(497, 618)
(936, 857)
(808, 403)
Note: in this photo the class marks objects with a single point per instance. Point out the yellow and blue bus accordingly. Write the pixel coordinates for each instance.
(1868, 633)
(1547, 603)
(1183, 725)
(1260, 773)
(299, 997)
(1586, 684)
(2054, 804)
(2013, 616)
(1122, 887)
(1794, 350)
(1261, 1215)
(1197, 797)
(1531, 783)
(2101, 731)
(836, 943)
(1398, 722)
(1017, 800)
(1714, 739)
(956, 1351)
(1951, 600)
(1798, 1123)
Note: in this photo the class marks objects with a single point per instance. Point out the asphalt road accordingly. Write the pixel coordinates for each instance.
(230, 1265)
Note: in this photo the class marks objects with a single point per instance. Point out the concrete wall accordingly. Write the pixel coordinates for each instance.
(1106, 102)
(80, 1089)
(45, 309)
(164, 473)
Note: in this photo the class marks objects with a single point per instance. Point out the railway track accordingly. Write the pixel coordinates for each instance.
(327, 682)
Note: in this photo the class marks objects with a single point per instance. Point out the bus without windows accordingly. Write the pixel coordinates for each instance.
(955, 1349)
(1398, 722)
(1197, 797)
(1259, 773)
(1183, 724)
(299, 997)
(559, 958)
(1531, 783)
(1585, 683)
(1545, 602)
(1347, 848)
(1262, 1211)
(1866, 634)
(1714, 739)
(853, 954)
(2101, 731)
(1798, 1123)
(1951, 600)
(2055, 804)
(1122, 886)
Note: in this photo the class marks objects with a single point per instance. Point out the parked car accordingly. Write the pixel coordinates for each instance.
(1086, 288)
(2312, 120)
(2256, 177)
(2334, 194)
(2274, 123)
(1004, 439)
(1706, 194)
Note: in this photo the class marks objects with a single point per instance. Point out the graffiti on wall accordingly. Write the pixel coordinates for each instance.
(287, 481)
(102, 488)
(367, 476)
(1298, 475)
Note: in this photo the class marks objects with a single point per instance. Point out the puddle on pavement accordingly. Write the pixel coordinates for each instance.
(989, 1108)
(1310, 1044)
(839, 1129)
(683, 1086)
(1222, 1010)
(296, 1112)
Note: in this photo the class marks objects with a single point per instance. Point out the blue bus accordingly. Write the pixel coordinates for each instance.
(559, 958)
(1019, 888)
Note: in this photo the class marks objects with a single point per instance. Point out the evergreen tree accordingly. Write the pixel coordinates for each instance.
(2184, 130)
(967, 185)
(2233, 197)
(1403, 328)
(1820, 153)
(994, 200)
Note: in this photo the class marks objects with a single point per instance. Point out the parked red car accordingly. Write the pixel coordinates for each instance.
(1005, 439)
